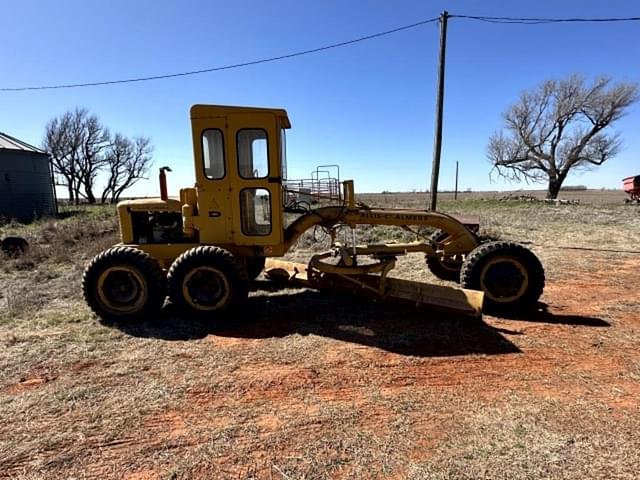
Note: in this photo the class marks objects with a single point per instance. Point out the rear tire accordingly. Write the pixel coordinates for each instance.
(510, 275)
(443, 269)
(207, 281)
(124, 283)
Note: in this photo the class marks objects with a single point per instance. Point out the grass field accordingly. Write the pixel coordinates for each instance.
(308, 386)
(592, 197)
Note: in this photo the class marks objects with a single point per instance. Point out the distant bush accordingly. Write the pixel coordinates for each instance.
(573, 188)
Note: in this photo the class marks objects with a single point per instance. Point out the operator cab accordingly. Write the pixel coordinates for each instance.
(237, 198)
(239, 167)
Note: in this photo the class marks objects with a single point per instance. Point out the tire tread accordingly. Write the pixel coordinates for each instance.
(121, 254)
(202, 255)
(434, 264)
(536, 273)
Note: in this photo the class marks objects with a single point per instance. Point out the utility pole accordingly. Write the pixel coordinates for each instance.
(437, 141)
(455, 192)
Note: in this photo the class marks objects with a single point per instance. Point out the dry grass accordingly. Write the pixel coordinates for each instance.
(531, 438)
(418, 200)
(311, 386)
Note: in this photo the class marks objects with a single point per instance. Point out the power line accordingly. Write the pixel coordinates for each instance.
(226, 67)
(507, 20)
(537, 21)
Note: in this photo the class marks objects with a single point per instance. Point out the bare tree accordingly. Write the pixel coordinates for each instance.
(75, 141)
(94, 138)
(81, 148)
(58, 144)
(559, 127)
(127, 162)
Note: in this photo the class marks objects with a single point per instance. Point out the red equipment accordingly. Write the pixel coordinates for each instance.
(631, 185)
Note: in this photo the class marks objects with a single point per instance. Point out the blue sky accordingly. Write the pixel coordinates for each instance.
(368, 107)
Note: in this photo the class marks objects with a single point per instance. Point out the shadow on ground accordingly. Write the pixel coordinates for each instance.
(542, 315)
(395, 328)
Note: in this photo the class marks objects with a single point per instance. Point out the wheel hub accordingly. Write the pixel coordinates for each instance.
(206, 287)
(504, 280)
(120, 288)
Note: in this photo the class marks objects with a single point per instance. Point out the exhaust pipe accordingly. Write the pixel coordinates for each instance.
(163, 183)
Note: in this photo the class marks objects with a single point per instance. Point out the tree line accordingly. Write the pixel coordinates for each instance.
(81, 148)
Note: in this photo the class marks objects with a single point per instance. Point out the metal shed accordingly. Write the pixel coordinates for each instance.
(26, 187)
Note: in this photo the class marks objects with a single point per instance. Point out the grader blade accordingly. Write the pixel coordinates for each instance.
(449, 299)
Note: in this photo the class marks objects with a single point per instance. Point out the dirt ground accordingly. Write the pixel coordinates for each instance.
(309, 386)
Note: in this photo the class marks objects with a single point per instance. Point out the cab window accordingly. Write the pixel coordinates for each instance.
(213, 153)
(253, 158)
(255, 209)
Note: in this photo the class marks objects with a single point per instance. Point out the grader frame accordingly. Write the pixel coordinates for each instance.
(204, 248)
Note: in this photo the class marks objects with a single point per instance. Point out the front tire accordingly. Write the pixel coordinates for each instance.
(207, 281)
(124, 283)
(510, 275)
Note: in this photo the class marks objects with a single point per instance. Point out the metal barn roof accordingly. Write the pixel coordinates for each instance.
(7, 142)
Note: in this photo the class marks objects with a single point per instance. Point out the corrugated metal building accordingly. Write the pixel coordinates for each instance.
(26, 187)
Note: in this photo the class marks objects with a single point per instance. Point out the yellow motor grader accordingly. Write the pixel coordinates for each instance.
(204, 248)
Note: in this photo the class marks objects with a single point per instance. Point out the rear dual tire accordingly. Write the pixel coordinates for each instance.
(124, 283)
(207, 281)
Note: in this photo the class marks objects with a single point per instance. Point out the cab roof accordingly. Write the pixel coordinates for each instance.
(213, 111)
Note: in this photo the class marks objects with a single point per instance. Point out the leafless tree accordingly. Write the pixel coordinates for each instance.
(58, 144)
(81, 148)
(94, 138)
(75, 141)
(559, 127)
(127, 161)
